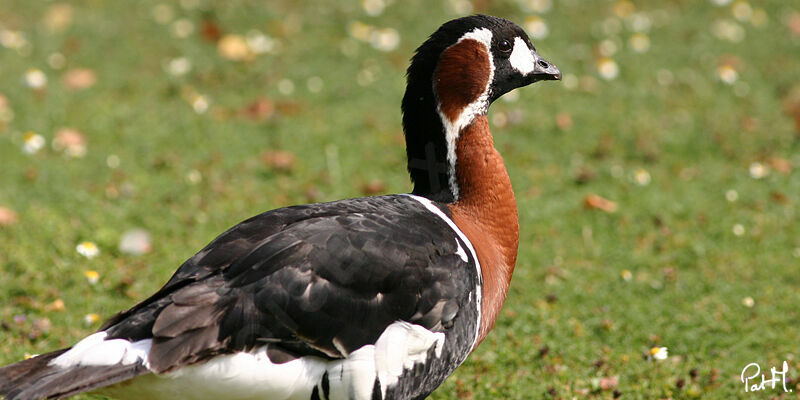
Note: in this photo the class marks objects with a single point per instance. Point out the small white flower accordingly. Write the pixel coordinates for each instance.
(462, 7)
(626, 275)
(731, 195)
(32, 142)
(260, 43)
(385, 39)
(639, 22)
(748, 302)
(360, 31)
(607, 68)
(56, 60)
(92, 276)
(286, 86)
(641, 177)
(758, 170)
(182, 28)
(570, 81)
(34, 78)
(91, 319)
(87, 249)
(607, 48)
(742, 11)
(12, 39)
(539, 6)
(536, 26)
(639, 42)
(664, 77)
(373, 7)
(112, 161)
(659, 353)
(726, 73)
(200, 104)
(728, 30)
(179, 66)
(136, 242)
(163, 13)
(194, 177)
(738, 230)
(314, 84)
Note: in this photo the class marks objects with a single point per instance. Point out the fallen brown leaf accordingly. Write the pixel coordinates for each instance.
(210, 31)
(57, 305)
(594, 201)
(373, 187)
(781, 165)
(609, 383)
(779, 197)
(58, 17)
(793, 22)
(79, 78)
(279, 160)
(70, 141)
(8, 216)
(259, 110)
(564, 121)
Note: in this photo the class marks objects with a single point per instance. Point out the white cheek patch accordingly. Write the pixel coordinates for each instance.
(521, 57)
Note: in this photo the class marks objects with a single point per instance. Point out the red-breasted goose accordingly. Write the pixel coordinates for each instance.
(369, 298)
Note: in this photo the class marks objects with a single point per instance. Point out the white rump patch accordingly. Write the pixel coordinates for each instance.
(95, 350)
(477, 107)
(522, 58)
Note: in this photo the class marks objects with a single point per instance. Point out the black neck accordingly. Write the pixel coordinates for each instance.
(426, 146)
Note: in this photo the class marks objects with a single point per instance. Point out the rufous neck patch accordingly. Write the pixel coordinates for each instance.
(461, 77)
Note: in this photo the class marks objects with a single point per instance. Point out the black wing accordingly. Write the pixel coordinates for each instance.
(321, 279)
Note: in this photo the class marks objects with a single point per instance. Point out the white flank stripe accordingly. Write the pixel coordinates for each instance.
(479, 289)
(246, 376)
(522, 58)
(478, 107)
(252, 376)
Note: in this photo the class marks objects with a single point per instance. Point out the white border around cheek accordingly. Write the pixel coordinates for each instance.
(522, 58)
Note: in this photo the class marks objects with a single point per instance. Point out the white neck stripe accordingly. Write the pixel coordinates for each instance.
(478, 107)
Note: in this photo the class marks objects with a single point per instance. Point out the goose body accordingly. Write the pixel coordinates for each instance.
(368, 298)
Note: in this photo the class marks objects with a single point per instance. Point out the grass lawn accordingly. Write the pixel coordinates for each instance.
(188, 117)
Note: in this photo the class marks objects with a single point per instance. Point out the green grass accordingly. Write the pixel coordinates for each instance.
(695, 135)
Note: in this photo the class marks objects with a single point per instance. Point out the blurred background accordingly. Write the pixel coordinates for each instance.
(657, 183)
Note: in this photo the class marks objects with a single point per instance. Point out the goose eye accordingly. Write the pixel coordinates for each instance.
(504, 46)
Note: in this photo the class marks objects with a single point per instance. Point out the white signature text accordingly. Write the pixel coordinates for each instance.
(752, 372)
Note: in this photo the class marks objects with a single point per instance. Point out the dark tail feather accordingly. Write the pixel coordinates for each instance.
(34, 379)
(12, 374)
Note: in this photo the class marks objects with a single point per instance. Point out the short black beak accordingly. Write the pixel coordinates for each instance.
(544, 70)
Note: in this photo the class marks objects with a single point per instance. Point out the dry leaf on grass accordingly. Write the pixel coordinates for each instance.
(596, 202)
(79, 78)
(8, 216)
(279, 160)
